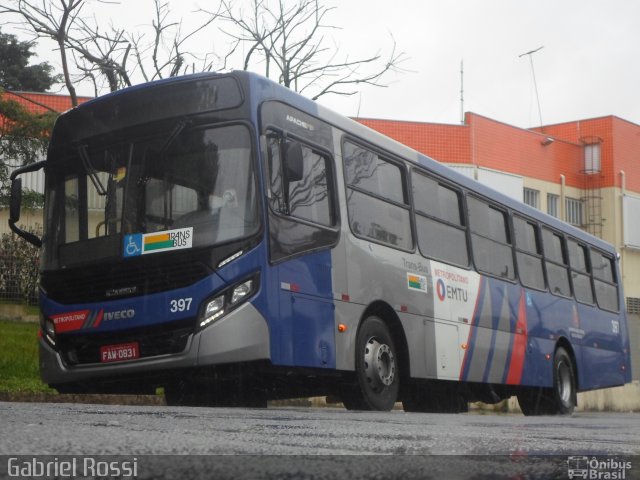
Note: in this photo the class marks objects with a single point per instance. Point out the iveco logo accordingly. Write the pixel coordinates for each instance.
(300, 123)
(120, 292)
(120, 315)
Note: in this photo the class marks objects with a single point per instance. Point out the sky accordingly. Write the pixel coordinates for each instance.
(589, 65)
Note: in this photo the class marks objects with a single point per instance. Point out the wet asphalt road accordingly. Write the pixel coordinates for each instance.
(280, 442)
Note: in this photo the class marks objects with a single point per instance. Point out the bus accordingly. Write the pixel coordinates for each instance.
(230, 241)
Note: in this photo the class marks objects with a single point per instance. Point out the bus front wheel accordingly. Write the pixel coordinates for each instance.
(377, 369)
(561, 399)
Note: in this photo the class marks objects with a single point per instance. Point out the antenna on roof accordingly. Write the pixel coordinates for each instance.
(462, 91)
(535, 85)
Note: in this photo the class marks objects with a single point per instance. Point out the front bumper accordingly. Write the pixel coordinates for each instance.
(241, 336)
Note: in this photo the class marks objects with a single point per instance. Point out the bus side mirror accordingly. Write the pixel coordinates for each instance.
(15, 200)
(294, 161)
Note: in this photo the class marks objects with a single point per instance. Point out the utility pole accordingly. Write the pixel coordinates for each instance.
(462, 91)
(535, 85)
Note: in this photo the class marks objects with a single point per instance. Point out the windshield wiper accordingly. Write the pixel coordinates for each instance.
(177, 130)
(91, 171)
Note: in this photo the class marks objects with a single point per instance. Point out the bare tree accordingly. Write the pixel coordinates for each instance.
(101, 54)
(166, 51)
(290, 44)
(50, 19)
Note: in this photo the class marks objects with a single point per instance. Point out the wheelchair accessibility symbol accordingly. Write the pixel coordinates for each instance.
(132, 245)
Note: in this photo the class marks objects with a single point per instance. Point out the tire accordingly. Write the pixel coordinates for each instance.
(564, 383)
(377, 369)
(534, 401)
(561, 399)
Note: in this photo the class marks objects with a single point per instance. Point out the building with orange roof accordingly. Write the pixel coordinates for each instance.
(36, 102)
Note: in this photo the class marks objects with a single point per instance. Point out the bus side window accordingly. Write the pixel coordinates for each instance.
(490, 239)
(307, 185)
(580, 273)
(300, 181)
(275, 175)
(440, 222)
(528, 253)
(556, 263)
(604, 280)
(376, 197)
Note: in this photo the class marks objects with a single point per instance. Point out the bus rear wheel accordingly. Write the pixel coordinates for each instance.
(561, 399)
(377, 369)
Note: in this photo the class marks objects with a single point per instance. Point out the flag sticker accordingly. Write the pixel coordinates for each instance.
(157, 242)
(417, 282)
(143, 244)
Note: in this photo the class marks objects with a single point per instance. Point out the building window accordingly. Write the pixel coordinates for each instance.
(573, 211)
(532, 197)
(633, 305)
(552, 204)
(592, 158)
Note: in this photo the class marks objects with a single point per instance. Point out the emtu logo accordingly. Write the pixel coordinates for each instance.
(441, 289)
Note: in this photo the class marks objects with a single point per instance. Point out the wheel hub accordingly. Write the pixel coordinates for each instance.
(379, 363)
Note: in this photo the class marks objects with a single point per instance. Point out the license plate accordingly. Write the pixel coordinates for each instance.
(119, 353)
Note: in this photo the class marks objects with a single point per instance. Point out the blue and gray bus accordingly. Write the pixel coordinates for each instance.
(231, 241)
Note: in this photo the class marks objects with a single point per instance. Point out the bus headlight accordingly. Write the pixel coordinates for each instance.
(49, 331)
(213, 311)
(228, 300)
(241, 291)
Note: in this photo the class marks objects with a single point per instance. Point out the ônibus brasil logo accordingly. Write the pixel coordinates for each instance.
(598, 469)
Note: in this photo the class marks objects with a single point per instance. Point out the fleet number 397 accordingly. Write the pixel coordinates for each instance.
(180, 305)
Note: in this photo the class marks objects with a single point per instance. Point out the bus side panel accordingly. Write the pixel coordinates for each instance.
(496, 348)
(601, 368)
(402, 281)
(538, 370)
(303, 332)
(603, 348)
(597, 348)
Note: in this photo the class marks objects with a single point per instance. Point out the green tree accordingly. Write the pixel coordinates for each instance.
(23, 135)
(23, 140)
(15, 71)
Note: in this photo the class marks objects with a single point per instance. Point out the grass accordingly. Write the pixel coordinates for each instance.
(19, 370)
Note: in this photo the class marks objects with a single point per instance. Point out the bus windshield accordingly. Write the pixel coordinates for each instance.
(200, 179)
